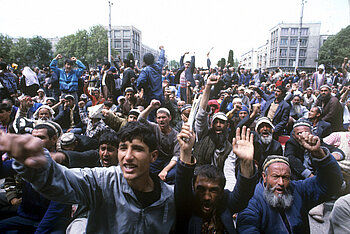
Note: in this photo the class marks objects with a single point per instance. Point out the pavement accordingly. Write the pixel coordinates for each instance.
(321, 228)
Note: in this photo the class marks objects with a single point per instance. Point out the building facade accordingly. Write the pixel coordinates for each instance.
(281, 48)
(128, 39)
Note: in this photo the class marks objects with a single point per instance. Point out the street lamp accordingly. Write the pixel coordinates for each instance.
(109, 32)
(299, 34)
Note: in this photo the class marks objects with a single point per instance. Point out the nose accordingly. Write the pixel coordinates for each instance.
(128, 155)
(280, 181)
(207, 196)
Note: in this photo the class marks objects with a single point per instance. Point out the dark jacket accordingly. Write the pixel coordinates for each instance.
(188, 72)
(187, 218)
(281, 117)
(332, 113)
(8, 83)
(260, 217)
(63, 118)
(150, 79)
(322, 129)
(296, 154)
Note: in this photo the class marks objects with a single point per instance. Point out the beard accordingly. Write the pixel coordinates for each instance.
(219, 139)
(265, 139)
(281, 201)
(324, 99)
(297, 109)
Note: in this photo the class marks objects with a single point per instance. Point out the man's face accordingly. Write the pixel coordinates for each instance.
(296, 100)
(207, 192)
(69, 102)
(313, 113)
(242, 114)
(49, 144)
(132, 118)
(277, 178)
(265, 129)
(278, 94)
(110, 99)
(187, 65)
(67, 67)
(44, 114)
(325, 92)
(186, 113)
(180, 104)
(97, 94)
(297, 131)
(163, 120)
(219, 125)
(5, 116)
(134, 159)
(309, 92)
(241, 91)
(41, 94)
(108, 155)
(128, 95)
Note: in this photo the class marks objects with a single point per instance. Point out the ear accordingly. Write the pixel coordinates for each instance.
(154, 155)
(264, 177)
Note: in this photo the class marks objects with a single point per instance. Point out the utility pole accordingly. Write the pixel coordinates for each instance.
(299, 35)
(109, 32)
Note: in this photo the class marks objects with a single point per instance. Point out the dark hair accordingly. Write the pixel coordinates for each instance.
(5, 107)
(211, 172)
(126, 63)
(142, 131)
(69, 61)
(108, 104)
(148, 58)
(3, 65)
(107, 64)
(50, 131)
(109, 138)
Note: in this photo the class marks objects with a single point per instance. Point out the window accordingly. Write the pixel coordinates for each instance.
(294, 41)
(294, 31)
(302, 62)
(283, 52)
(292, 52)
(284, 41)
(283, 62)
(303, 42)
(304, 31)
(291, 62)
(117, 34)
(302, 53)
(284, 31)
(126, 33)
(118, 44)
(126, 44)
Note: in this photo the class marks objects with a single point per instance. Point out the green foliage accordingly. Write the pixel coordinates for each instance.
(91, 46)
(5, 47)
(173, 64)
(222, 62)
(39, 51)
(335, 48)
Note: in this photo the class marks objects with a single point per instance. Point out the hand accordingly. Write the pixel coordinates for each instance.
(311, 143)
(187, 52)
(59, 56)
(184, 118)
(212, 80)
(26, 149)
(256, 108)
(188, 83)
(161, 47)
(155, 104)
(237, 107)
(70, 129)
(162, 175)
(81, 104)
(73, 59)
(186, 145)
(242, 144)
(16, 201)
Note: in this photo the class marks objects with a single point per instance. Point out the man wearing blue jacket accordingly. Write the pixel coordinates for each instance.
(281, 205)
(68, 77)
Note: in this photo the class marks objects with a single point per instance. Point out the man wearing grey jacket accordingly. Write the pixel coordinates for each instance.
(122, 199)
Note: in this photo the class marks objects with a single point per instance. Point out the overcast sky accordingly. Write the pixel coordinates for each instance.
(179, 25)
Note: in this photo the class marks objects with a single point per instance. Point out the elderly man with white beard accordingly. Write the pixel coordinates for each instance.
(281, 205)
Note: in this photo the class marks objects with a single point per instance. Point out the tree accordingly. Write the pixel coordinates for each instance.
(222, 62)
(173, 64)
(335, 48)
(19, 52)
(230, 58)
(39, 51)
(5, 47)
(97, 45)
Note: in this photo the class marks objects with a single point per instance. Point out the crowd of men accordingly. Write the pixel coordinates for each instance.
(122, 149)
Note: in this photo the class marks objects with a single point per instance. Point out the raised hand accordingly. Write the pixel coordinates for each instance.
(212, 80)
(59, 56)
(311, 143)
(26, 149)
(73, 59)
(186, 140)
(242, 144)
(155, 104)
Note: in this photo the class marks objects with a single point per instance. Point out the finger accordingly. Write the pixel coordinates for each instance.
(248, 134)
(244, 132)
(238, 134)
(233, 142)
(251, 140)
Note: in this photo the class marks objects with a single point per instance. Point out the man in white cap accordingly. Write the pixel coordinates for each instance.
(168, 146)
(318, 78)
(41, 97)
